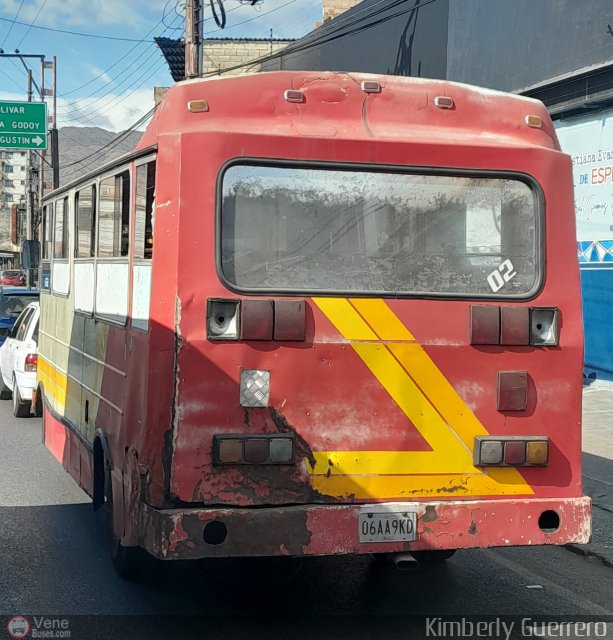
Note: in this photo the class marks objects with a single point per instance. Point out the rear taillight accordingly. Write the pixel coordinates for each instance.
(249, 449)
(31, 362)
(511, 451)
(514, 326)
(281, 320)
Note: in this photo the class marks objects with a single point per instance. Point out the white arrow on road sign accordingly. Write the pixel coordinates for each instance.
(38, 140)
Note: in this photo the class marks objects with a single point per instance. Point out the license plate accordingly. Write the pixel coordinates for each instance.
(387, 526)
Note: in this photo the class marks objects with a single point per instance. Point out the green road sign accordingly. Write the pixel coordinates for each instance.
(23, 125)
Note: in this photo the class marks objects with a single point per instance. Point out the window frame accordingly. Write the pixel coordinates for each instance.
(65, 221)
(527, 179)
(116, 174)
(93, 230)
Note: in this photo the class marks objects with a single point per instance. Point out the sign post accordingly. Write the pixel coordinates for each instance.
(23, 125)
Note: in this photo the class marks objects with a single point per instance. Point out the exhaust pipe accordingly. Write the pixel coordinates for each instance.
(403, 561)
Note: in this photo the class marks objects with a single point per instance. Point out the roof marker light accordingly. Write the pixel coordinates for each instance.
(444, 102)
(534, 121)
(370, 86)
(196, 106)
(293, 95)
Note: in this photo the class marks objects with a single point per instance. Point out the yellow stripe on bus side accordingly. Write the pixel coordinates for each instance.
(54, 381)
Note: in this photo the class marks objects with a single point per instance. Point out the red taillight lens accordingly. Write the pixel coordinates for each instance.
(31, 362)
(514, 326)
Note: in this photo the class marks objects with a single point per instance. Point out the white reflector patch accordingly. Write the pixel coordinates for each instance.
(254, 388)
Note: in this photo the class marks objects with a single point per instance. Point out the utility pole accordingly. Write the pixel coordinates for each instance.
(35, 176)
(193, 41)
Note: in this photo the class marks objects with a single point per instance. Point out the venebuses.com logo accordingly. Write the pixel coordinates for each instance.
(37, 627)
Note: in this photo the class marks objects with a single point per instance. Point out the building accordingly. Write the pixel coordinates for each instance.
(13, 165)
(558, 51)
(235, 56)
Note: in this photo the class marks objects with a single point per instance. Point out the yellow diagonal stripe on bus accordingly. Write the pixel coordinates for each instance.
(385, 487)
(343, 316)
(395, 366)
(422, 369)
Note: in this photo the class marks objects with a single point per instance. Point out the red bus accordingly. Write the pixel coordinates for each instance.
(320, 313)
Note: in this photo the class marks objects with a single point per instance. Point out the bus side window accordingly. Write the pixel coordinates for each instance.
(60, 238)
(47, 226)
(86, 222)
(144, 211)
(114, 216)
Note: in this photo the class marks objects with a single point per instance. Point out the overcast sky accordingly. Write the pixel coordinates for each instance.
(109, 83)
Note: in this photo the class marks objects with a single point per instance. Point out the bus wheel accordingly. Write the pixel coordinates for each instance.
(126, 560)
(436, 555)
(37, 405)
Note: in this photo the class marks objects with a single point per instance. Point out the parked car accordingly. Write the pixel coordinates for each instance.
(19, 360)
(13, 300)
(14, 278)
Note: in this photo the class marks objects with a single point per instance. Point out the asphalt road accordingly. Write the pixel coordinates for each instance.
(53, 562)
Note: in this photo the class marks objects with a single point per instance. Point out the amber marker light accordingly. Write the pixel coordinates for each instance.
(293, 95)
(537, 452)
(534, 121)
(195, 106)
(444, 102)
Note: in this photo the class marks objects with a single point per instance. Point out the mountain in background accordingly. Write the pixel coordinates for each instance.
(83, 149)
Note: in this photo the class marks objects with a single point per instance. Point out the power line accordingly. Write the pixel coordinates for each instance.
(261, 15)
(73, 33)
(11, 79)
(12, 25)
(113, 143)
(329, 35)
(120, 59)
(42, 6)
(145, 77)
(126, 69)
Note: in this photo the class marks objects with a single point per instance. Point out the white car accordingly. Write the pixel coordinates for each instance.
(19, 360)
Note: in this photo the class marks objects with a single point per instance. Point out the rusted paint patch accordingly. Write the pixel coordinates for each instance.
(473, 528)
(283, 426)
(245, 485)
(250, 533)
(430, 515)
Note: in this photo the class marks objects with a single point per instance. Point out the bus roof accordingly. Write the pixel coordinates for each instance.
(336, 105)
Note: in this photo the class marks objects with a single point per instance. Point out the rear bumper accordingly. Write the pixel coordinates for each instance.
(332, 530)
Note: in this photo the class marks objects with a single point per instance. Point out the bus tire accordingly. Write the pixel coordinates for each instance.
(433, 556)
(37, 406)
(5, 392)
(21, 408)
(126, 560)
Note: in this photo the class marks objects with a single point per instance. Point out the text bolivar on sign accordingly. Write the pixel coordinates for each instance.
(23, 125)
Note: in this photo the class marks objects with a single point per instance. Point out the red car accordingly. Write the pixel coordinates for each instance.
(12, 278)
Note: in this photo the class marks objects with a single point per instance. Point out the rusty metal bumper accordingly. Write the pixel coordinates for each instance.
(330, 530)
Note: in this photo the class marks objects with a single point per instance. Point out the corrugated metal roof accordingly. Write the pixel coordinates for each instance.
(174, 53)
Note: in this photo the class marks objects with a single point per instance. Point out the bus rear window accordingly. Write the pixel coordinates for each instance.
(313, 230)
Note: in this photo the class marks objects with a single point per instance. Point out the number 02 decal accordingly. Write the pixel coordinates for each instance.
(505, 272)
